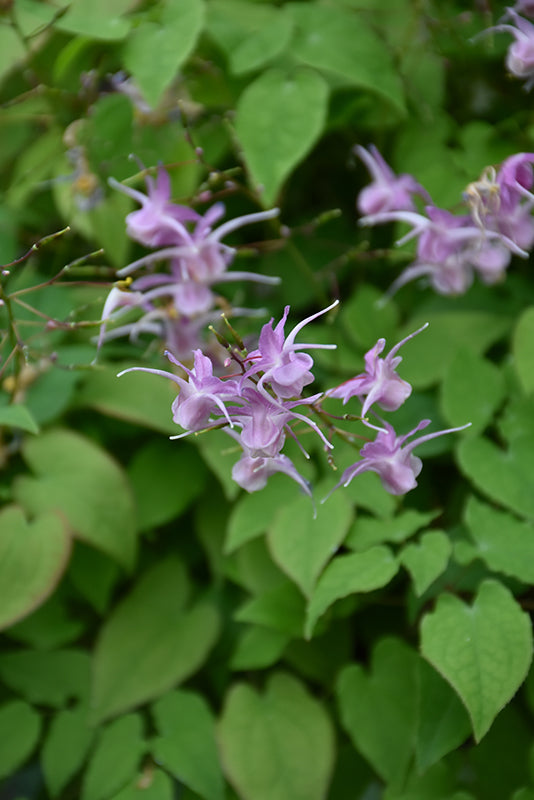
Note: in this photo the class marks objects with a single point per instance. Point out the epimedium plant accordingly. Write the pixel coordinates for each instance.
(178, 619)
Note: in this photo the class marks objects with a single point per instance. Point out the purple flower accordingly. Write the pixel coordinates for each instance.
(379, 383)
(391, 459)
(525, 7)
(252, 473)
(387, 192)
(520, 55)
(277, 356)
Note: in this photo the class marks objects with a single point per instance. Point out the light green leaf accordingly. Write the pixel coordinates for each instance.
(19, 733)
(253, 513)
(100, 19)
(442, 721)
(378, 709)
(258, 648)
(459, 402)
(220, 454)
(115, 758)
(166, 477)
(340, 42)
(346, 575)
(186, 746)
(301, 544)
(152, 784)
(367, 492)
(52, 625)
(505, 543)
(279, 118)
(523, 349)
(151, 630)
(137, 397)
(81, 481)
(66, 745)
(281, 609)
(505, 477)
(483, 651)
(262, 45)
(18, 416)
(33, 557)
(427, 559)
(12, 50)
(47, 678)
(279, 746)
(155, 50)
(368, 531)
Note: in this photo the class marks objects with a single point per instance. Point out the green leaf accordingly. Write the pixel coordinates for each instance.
(19, 733)
(12, 50)
(505, 543)
(340, 42)
(523, 349)
(150, 785)
(115, 758)
(47, 678)
(368, 531)
(152, 630)
(459, 402)
(51, 626)
(100, 20)
(137, 397)
(505, 477)
(258, 648)
(279, 118)
(483, 651)
(166, 477)
(93, 575)
(66, 746)
(279, 746)
(346, 575)
(186, 744)
(155, 50)
(254, 513)
(442, 721)
(18, 416)
(378, 709)
(301, 544)
(281, 609)
(262, 45)
(220, 455)
(367, 492)
(81, 481)
(33, 557)
(426, 560)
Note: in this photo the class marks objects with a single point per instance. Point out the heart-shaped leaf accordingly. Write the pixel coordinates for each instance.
(484, 650)
(276, 746)
(427, 559)
(115, 758)
(33, 557)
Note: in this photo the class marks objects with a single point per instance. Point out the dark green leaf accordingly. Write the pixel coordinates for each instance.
(19, 733)
(115, 758)
(66, 746)
(48, 678)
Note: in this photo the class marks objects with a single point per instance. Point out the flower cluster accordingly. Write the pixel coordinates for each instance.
(260, 406)
(177, 303)
(451, 248)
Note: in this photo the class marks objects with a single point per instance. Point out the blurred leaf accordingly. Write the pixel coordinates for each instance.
(17, 416)
(378, 709)
(109, 231)
(258, 648)
(155, 50)
(253, 514)
(505, 543)
(67, 743)
(281, 608)
(150, 785)
(101, 20)
(49, 627)
(166, 477)
(12, 50)
(82, 482)
(459, 402)
(33, 557)
(186, 744)
(279, 118)
(346, 575)
(484, 650)
(368, 319)
(33, 16)
(19, 733)
(368, 531)
(279, 745)
(151, 629)
(115, 758)
(367, 492)
(135, 397)
(505, 477)
(93, 575)
(263, 45)
(220, 454)
(523, 349)
(301, 543)
(49, 678)
(50, 395)
(337, 41)
(426, 559)
(442, 721)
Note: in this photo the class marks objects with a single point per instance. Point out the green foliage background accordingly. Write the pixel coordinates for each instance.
(165, 635)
